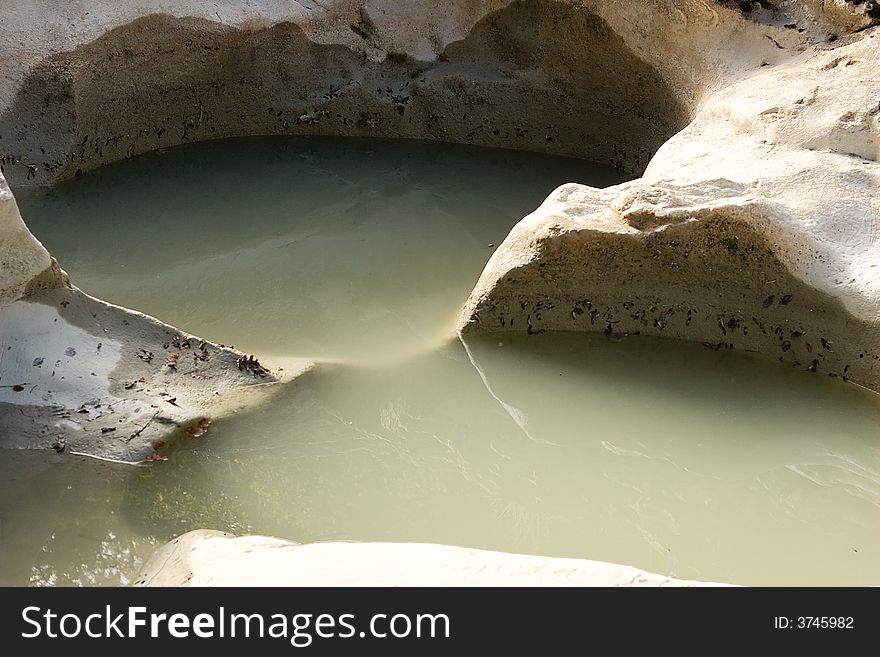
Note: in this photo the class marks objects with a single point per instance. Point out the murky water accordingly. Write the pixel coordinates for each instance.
(331, 248)
(666, 456)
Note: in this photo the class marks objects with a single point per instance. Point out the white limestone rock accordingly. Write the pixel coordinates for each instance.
(211, 558)
(754, 228)
(83, 376)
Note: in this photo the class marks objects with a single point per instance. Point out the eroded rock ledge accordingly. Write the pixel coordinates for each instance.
(82, 376)
(753, 229)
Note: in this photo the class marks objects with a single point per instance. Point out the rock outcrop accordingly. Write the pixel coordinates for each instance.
(751, 229)
(83, 376)
(209, 558)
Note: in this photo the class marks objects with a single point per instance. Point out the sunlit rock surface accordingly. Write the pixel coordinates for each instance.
(82, 376)
(210, 558)
(752, 229)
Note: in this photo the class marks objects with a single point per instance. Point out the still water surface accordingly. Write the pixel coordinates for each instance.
(666, 456)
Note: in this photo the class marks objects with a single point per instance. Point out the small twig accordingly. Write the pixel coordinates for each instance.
(143, 428)
(865, 388)
(137, 464)
(776, 43)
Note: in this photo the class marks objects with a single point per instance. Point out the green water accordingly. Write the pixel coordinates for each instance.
(666, 456)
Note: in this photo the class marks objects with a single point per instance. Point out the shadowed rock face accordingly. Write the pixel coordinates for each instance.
(538, 76)
(831, 17)
(570, 81)
(711, 278)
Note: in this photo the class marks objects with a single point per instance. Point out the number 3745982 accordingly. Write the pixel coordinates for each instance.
(814, 622)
